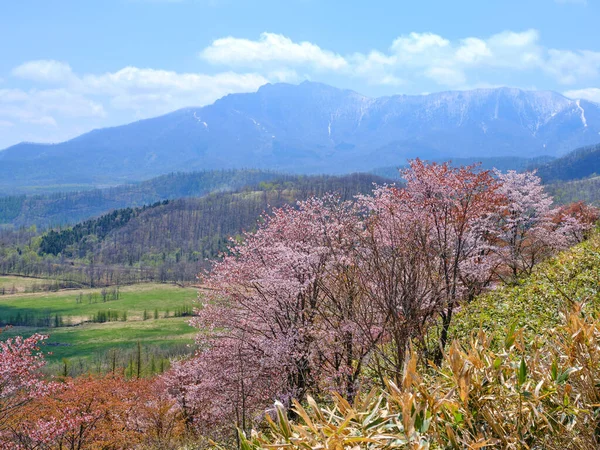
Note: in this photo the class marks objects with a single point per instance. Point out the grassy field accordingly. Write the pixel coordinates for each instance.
(80, 305)
(164, 332)
(20, 284)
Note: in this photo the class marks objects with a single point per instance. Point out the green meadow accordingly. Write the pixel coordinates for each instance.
(153, 317)
(15, 284)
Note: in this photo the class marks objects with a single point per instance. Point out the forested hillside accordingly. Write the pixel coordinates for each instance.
(69, 241)
(587, 190)
(64, 208)
(166, 241)
(581, 163)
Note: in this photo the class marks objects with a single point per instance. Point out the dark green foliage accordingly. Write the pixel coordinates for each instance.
(184, 311)
(108, 315)
(29, 318)
(55, 242)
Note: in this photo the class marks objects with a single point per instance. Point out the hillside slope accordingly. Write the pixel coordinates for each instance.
(63, 208)
(168, 241)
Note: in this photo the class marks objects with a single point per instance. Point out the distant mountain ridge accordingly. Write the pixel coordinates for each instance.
(312, 128)
(502, 163)
(580, 163)
(71, 207)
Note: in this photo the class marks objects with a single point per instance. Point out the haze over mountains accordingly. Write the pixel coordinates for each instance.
(311, 128)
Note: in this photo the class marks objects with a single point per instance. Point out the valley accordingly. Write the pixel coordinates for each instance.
(141, 238)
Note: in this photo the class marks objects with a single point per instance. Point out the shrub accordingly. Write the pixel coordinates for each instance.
(480, 397)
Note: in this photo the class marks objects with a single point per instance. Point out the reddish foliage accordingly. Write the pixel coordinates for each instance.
(89, 413)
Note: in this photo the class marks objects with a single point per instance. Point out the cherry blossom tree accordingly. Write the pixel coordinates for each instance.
(20, 362)
(576, 220)
(266, 293)
(223, 388)
(284, 315)
(454, 205)
(323, 289)
(397, 276)
(529, 229)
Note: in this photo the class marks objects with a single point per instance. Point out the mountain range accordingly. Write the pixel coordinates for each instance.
(310, 128)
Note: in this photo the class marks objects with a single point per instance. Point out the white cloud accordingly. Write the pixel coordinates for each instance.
(57, 94)
(417, 43)
(152, 79)
(38, 102)
(411, 57)
(569, 67)
(446, 76)
(472, 51)
(45, 70)
(515, 40)
(271, 48)
(91, 98)
(150, 91)
(592, 94)
(42, 107)
(146, 91)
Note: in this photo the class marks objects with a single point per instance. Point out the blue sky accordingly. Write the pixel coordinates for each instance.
(70, 66)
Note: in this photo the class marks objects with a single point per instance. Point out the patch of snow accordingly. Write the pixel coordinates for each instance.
(200, 120)
(583, 119)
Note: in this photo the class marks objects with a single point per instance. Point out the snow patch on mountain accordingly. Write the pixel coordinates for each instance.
(583, 119)
(200, 120)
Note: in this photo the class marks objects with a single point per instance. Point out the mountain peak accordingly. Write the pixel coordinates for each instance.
(313, 127)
